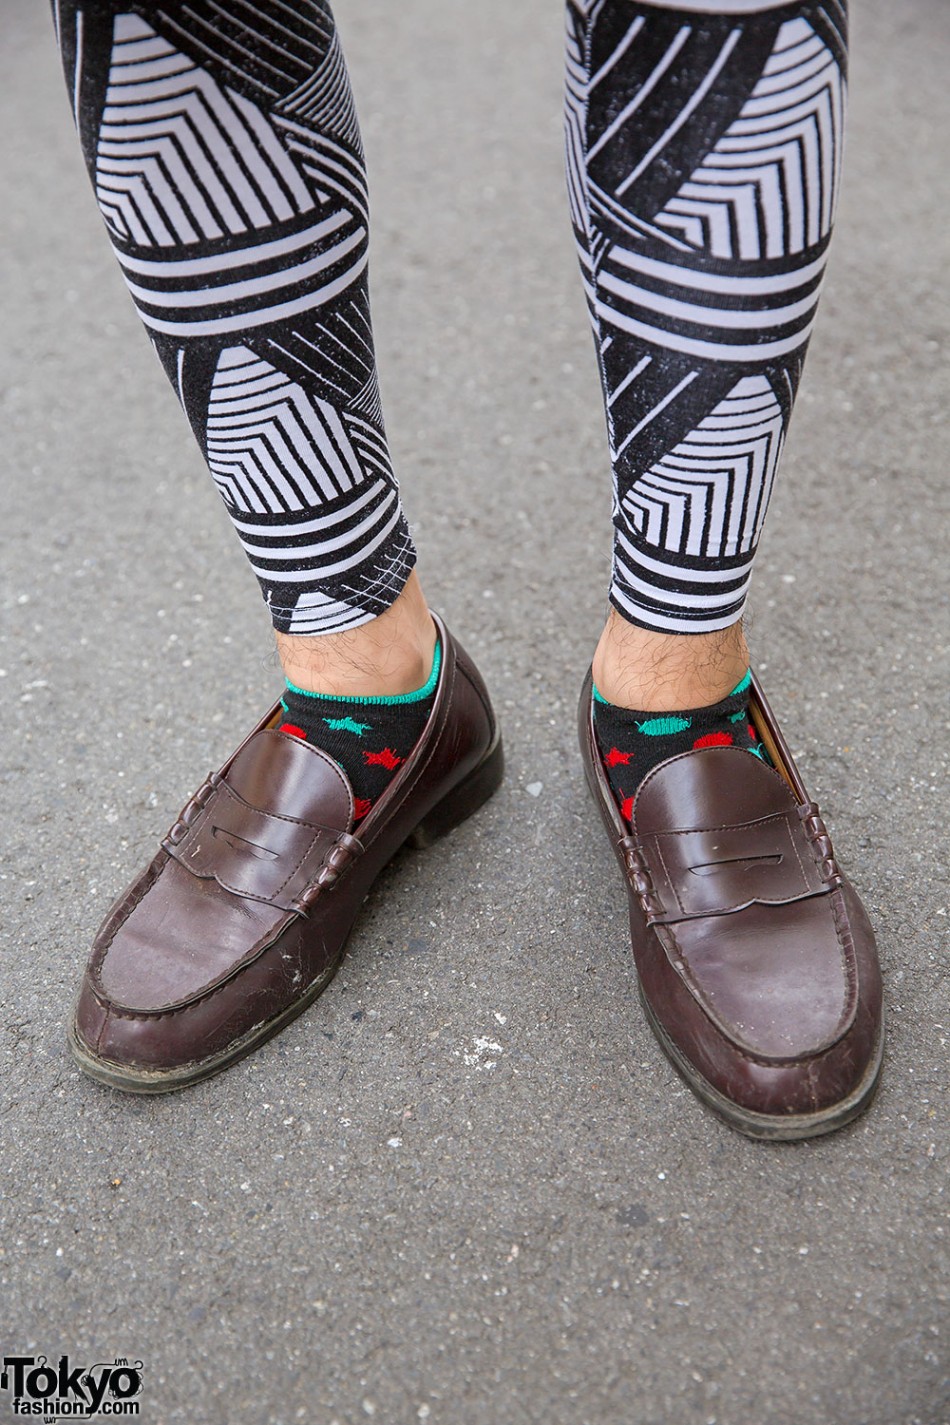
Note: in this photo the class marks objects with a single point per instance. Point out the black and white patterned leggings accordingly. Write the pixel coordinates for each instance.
(703, 156)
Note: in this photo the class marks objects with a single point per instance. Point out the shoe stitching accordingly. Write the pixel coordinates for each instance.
(133, 897)
(782, 817)
(317, 828)
(141, 889)
(660, 933)
(801, 864)
(257, 811)
(604, 794)
(271, 899)
(255, 955)
(843, 1025)
(839, 910)
(726, 825)
(669, 878)
(303, 858)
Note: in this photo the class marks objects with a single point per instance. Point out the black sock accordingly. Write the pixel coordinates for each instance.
(369, 737)
(633, 743)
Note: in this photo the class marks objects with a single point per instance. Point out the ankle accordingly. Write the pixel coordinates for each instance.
(388, 656)
(660, 672)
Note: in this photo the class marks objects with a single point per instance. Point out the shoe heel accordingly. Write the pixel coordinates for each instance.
(460, 803)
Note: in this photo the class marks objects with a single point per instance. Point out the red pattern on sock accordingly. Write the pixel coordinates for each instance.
(632, 744)
(387, 758)
(714, 739)
(292, 729)
(361, 806)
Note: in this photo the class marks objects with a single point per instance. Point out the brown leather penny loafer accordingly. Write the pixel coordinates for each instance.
(241, 919)
(757, 965)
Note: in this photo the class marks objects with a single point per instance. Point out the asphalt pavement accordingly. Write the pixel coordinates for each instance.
(466, 1188)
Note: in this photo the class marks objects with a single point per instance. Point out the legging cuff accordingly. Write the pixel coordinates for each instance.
(676, 595)
(329, 601)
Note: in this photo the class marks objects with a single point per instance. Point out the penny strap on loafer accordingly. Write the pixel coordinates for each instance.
(719, 837)
(242, 917)
(252, 850)
(260, 854)
(700, 866)
(756, 961)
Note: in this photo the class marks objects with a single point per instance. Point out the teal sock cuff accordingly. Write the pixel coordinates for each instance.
(740, 687)
(420, 694)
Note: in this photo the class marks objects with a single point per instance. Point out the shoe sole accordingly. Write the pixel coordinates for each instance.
(454, 808)
(769, 1127)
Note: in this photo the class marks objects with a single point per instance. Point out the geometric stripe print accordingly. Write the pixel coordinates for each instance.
(180, 158)
(226, 156)
(761, 193)
(269, 282)
(271, 446)
(707, 496)
(326, 571)
(715, 316)
(767, 188)
(670, 597)
(319, 546)
(324, 101)
(703, 163)
(184, 161)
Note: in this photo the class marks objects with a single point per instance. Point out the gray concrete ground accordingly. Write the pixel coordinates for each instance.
(466, 1188)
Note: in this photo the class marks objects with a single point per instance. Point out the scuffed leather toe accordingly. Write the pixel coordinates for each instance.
(241, 919)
